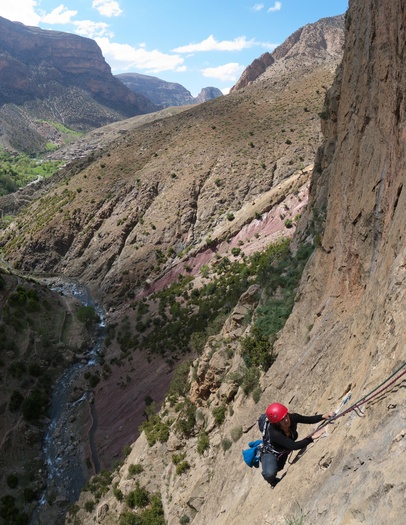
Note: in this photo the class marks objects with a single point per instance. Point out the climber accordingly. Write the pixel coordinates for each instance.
(279, 436)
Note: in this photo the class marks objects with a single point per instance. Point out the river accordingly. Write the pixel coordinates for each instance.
(69, 449)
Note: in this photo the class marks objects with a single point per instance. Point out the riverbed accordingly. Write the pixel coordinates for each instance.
(69, 450)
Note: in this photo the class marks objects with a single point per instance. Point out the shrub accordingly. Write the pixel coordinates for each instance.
(16, 400)
(257, 352)
(226, 444)
(184, 519)
(12, 481)
(154, 515)
(203, 442)
(34, 406)
(89, 505)
(179, 385)
(29, 494)
(236, 433)
(219, 414)
(187, 419)
(182, 467)
(155, 429)
(118, 494)
(133, 470)
(256, 394)
(139, 497)
(87, 315)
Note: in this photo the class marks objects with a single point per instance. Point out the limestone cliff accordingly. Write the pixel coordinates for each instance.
(312, 44)
(346, 331)
(54, 76)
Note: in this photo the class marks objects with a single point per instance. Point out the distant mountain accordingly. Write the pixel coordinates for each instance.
(49, 77)
(165, 94)
(313, 44)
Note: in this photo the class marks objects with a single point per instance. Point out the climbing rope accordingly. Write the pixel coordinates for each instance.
(365, 399)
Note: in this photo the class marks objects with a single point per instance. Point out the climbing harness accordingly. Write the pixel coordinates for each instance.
(389, 381)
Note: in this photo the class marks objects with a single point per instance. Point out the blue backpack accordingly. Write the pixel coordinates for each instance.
(251, 455)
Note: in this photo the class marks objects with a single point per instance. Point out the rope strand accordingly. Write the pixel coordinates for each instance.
(364, 399)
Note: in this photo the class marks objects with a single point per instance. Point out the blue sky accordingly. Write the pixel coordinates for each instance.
(193, 42)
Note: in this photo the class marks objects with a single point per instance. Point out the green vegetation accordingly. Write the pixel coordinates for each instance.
(203, 442)
(134, 470)
(182, 465)
(87, 315)
(154, 427)
(219, 414)
(153, 515)
(279, 279)
(17, 171)
(139, 497)
(99, 484)
(10, 513)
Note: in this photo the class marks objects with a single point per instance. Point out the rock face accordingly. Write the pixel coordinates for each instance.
(346, 331)
(165, 94)
(51, 75)
(208, 93)
(312, 44)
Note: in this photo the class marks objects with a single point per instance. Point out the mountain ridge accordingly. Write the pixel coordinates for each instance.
(311, 44)
(48, 76)
(165, 94)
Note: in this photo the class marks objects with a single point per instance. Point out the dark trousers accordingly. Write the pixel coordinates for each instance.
(270, 466)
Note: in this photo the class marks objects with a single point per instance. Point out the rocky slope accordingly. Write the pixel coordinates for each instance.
(48, 77)
(312, 44)
(346, 330)
(165, 94)
(165, 185)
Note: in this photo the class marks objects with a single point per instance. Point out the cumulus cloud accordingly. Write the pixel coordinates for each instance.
(125, 57)
(107, 8)
(276, 7)
(21, 11)
(225, 73)
(211, 44)
(91, 29)
(258, 7)
(60, 15)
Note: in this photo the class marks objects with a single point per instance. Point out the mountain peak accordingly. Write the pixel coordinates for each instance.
(312, 44)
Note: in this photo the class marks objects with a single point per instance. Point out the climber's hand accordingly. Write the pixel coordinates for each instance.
(318, 434)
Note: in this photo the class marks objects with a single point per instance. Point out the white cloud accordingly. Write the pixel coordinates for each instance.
(125, 57)
(211, 44)
(258, 7)
(107, 7)
(60, 15)
(91, 29)
(276, 7)
(267, 45)
(227, 72)
(21, 11)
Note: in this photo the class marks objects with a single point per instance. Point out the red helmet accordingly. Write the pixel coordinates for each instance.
(276, 412)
